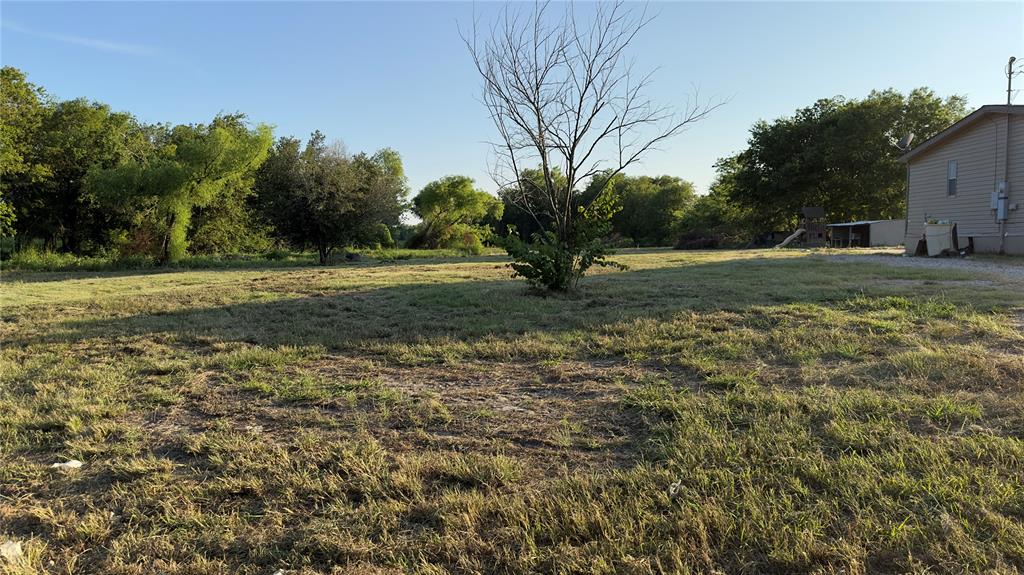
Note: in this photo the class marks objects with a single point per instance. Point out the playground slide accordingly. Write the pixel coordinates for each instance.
(795, 235)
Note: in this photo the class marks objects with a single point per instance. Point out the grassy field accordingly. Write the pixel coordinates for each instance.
(701, 412)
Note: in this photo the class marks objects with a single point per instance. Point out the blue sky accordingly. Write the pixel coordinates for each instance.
(397, 74)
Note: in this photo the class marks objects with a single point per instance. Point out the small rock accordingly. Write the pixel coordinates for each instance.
(278, 572)
(69, 464)
(11, 551)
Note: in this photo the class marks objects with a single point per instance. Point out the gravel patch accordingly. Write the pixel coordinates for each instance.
(1009, 271)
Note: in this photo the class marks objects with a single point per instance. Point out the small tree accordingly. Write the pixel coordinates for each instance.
(192, 166)
(563, 94)
(321, 197)
(453, 212)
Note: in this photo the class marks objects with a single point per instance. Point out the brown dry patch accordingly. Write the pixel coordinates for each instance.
(555, 414)
(564, 415)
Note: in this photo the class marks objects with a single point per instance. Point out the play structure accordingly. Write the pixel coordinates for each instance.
(814, 224)
(811, 231)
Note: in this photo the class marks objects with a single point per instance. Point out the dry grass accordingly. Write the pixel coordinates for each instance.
(732, 412)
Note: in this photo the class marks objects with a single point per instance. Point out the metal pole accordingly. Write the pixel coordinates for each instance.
(1009, 80)
(1006, 164)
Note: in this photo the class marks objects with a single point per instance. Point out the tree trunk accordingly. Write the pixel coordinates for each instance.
(165, 247)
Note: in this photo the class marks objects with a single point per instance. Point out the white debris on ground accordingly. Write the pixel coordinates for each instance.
(675, 489)
(1013, 271)
(11, 551)
(68, 465)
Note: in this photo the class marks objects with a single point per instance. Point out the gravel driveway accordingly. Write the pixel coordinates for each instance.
(1013, 271)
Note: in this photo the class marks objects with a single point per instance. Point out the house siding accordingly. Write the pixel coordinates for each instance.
(980, 153)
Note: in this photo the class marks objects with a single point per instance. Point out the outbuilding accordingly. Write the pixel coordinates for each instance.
(867, 233)
(971, 175)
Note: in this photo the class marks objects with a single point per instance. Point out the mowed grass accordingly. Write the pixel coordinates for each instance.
(702, 412)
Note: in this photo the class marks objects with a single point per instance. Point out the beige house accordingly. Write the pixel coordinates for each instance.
(971, 174)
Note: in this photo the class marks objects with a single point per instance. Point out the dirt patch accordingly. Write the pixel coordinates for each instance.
(555, 416)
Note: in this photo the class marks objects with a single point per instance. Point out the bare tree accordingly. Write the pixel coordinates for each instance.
(564, 96)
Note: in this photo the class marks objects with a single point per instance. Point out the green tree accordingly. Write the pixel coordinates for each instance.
(379, 196)
(80, 136)
(229, 224)
(524, 213)
(191, 166)
(23, 106)
(47, 150)
(838, 154)
(453, 213)
(650, 209)
(715, 219)
(279, 191)
(319, 196)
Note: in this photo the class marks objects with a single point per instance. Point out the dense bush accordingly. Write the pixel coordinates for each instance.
(553, 264)
(381, 236)
(716, 220)
(39, 260)
(455, 214)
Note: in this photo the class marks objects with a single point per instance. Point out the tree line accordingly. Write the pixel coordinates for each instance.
(77, 177)
(644, 211)
(80, 178)
(837, 153)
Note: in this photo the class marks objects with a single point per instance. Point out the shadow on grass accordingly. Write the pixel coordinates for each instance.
(465, 311)
(29, 276)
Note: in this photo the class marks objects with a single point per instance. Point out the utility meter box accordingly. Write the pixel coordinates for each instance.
(1001, 200)
(1001, 209)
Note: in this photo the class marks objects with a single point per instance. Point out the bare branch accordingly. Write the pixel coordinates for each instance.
(564, 96)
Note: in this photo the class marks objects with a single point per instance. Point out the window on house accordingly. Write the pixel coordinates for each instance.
(951, 178)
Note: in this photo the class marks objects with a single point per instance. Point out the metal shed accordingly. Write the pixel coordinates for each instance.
(867, 233)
